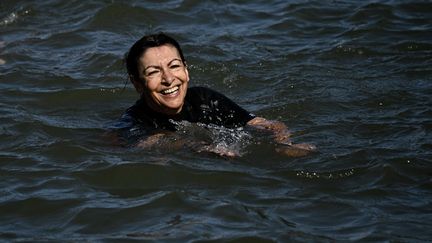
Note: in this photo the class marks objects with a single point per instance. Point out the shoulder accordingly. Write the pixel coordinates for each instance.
(140, 113)
(203, 93)
(201, 90)
(217, 108)
(135, 110)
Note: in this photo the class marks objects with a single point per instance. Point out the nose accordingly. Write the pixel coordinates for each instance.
(167, 77)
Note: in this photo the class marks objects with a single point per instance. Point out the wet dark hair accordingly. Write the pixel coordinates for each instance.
(137, 50)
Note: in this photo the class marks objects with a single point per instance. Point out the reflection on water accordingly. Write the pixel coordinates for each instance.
(352, 77)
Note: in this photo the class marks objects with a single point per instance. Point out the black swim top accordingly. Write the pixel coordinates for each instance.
(201, 105)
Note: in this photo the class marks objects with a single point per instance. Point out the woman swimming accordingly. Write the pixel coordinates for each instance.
(157, 68)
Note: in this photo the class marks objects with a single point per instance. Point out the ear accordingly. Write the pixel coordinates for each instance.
(138, 84)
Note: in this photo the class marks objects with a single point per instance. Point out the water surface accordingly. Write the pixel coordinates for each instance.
(352, 77)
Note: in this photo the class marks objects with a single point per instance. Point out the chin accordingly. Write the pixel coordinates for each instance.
(173, 110)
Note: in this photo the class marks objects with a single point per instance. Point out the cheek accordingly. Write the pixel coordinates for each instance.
(185, 77)
(151, 85)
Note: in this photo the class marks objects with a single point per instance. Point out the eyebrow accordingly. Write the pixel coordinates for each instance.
(169, 63)
(175, 59)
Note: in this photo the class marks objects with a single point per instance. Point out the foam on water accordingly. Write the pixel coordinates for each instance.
(212, 138)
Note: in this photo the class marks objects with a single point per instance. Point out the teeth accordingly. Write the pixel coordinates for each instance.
(169, 91)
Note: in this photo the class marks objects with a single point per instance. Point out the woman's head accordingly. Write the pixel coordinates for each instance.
(140, 47)
(158, 71)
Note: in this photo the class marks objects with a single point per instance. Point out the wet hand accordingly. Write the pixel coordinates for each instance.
(283, 138)
(219, 150)
(150, 141)
(296, 150)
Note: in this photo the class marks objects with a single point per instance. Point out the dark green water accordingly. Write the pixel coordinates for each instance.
(352, 77)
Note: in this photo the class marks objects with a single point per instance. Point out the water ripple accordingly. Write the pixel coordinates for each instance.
(353, 77)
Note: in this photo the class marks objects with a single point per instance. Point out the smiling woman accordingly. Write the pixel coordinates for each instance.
(162, 79)
(158, 71)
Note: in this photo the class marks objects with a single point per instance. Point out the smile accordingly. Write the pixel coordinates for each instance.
(170, 91)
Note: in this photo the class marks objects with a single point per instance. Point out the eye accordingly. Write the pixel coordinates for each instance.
(175, 66)
(152, 72)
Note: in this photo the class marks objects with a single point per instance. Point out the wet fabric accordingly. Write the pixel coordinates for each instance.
(201, 105)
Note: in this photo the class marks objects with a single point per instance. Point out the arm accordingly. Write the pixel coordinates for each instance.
(282, 137)
(150, 141)
(279, 129)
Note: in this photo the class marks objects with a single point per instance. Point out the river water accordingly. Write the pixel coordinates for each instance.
(351, 77)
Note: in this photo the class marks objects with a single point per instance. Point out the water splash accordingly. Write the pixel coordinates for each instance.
(217, 139)
(13, 17)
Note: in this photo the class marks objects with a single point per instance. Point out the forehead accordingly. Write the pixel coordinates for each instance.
(160, 53)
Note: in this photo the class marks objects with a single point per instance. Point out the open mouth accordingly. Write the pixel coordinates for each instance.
(170, 91)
